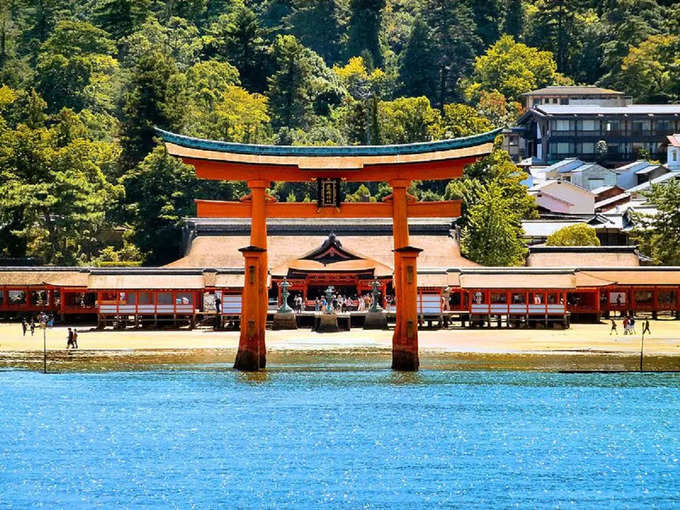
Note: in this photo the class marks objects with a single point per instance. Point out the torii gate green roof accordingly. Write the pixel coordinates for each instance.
(328, 151)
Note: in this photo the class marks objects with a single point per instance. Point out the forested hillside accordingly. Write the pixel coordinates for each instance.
(82, 179)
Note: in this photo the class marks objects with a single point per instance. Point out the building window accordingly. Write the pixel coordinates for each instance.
(590, 125)
(587, 148)
(640, 127)
(663, 126)
(564, 101)
(613, 126)
(561, 125)
(561, 148)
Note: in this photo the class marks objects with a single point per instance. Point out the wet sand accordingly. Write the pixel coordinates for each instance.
(584, 347)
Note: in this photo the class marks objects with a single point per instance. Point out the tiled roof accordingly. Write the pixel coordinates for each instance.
(326, 151)
(572, 91)
(639, 109)
(674, 140)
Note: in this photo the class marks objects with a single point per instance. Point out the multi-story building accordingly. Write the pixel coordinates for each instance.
(608, 134)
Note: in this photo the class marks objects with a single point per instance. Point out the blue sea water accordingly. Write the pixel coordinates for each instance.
(362, 436)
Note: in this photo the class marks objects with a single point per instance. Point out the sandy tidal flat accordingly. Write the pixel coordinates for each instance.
(582, 347)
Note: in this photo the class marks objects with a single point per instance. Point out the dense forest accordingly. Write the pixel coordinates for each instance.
(83, 82)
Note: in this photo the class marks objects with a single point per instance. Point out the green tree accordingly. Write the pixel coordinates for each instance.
(319, 25)
(121, 17)
(364, 29)
(492, 234)
(514, 18)
(651, 71)
(362, 194)
(579, 234)
(512, 68)
(301, 87)
(462, 120)
(488, 17)
(238, 38)
(177, 39)
(160, 191)
(408, 120)
(497, 167)
(237, 116)
(154, 97)
(53, 180)
(453, 31)
(658, 234)
(418, 66)
(75, 68)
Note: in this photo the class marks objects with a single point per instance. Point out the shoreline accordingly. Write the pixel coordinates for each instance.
(583, 348)
(339, 359)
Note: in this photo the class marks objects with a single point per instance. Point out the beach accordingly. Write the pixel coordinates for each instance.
(582, 347)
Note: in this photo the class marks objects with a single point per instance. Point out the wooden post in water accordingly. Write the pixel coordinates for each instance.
(405, 339)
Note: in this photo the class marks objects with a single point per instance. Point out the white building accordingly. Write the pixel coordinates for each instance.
(673, 153)
(563, 197)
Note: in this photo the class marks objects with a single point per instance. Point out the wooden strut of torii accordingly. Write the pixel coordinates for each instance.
(259, 165)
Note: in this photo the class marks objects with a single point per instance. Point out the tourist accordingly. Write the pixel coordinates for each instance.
(626, 325)
(645, 328)
(75, 338)
(446, 299)
(218, 304)
(32, 326)
(613, 329)
(24, 326)
(631, 323)
(317, 304)
(69, 341)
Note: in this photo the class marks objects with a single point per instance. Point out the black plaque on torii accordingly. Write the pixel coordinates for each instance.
(328, 192)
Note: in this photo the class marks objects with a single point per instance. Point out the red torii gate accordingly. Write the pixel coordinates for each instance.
(259, 165)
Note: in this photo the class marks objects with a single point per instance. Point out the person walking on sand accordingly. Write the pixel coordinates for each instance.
(75, 338)
(24, 326)
(69, 341)
(645, 328)
(32, 326)
(613, 330)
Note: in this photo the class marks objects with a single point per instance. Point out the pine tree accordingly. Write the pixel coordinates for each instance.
(121, 17)
(151, 100)
(453, 32)
(514, 18)
(364, 29)
(418, 69)
(488, 16)
(493, 233)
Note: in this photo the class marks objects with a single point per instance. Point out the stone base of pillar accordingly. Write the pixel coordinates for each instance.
(247, 360)
(328, 323)
(405, 361)
(284, 321)
(375, 320)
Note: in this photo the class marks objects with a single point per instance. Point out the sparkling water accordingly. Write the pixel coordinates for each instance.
(351, 436)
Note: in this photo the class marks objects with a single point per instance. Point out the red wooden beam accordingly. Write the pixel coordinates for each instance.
(218, 209)
(427, 170)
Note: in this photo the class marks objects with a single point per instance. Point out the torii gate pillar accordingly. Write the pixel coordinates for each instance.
(252, 351)
(405, 339)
